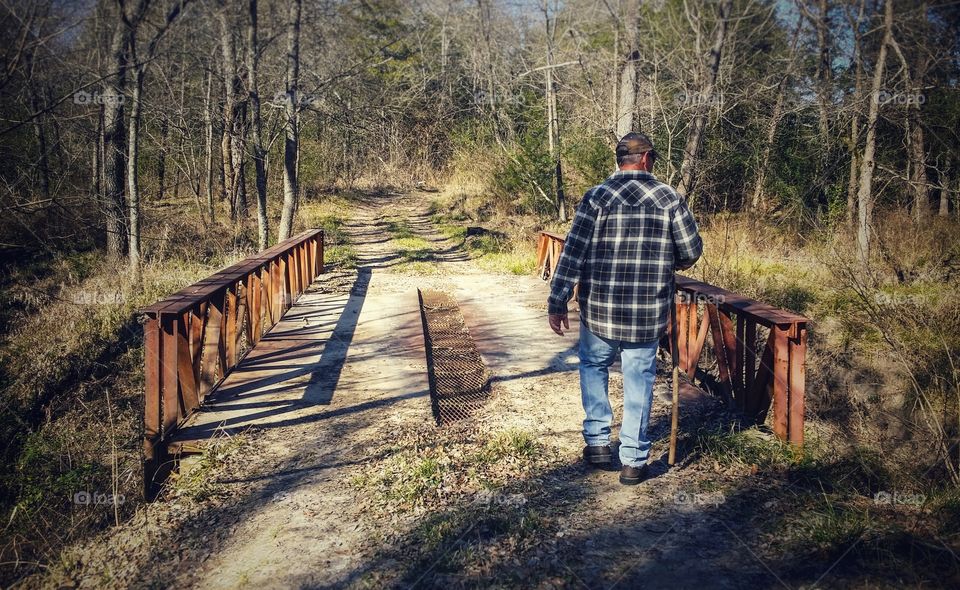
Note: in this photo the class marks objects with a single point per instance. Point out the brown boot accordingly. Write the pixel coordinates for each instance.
(598, 456)
(631, 476)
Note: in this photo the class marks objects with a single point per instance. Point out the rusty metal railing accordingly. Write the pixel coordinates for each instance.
(753, 378)
(195, 337)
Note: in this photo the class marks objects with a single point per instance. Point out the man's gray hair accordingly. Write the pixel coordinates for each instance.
(629, 159)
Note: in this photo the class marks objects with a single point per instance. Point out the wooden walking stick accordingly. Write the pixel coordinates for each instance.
(675, 357)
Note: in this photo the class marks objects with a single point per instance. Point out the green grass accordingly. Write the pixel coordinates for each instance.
(343, 256)
(511, 445)
(333, 232)
(419, 267)
(449, 230)
(513, 262)
(412, 476)
(414, 249)
(328, 215)
(399, 229)
(828, 525)
(406, 478)
(411, 248)
(749, 447)
(197, 482)
(492, 253)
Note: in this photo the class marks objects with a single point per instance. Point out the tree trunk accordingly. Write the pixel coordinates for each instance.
(855, 116)
(43, 161)
(918, 166)
(114, 143)
(253, 64)
(944, 210)
(291, 143)
(229, 70)
(97, 162)
(133, 143)
(627, 104)
(133, 180)
(916, 152)
(553, 122)
(864, 193)
(824, 88)
(691, 151)
(162, 156)
(757, 202)
(208, 122)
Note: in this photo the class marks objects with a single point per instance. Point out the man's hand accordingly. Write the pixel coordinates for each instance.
(556, 319)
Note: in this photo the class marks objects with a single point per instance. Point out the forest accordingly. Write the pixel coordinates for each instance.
(146, 144)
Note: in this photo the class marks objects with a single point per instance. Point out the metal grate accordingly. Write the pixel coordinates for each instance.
(459, 381)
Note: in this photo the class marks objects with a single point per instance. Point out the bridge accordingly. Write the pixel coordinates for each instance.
(261, 339)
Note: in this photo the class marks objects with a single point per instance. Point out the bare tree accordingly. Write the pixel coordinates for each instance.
(291, 144)
(139, 72)
(234, 117)
(627, 101)
(114, 138)
(916, 152)
(553, 121)
(854, 140)
(259, 153)
(865, 191)
(208, 146)
(695, 131)
(757, 201)
(824, 88)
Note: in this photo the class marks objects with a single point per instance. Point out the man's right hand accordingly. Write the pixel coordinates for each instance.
(556, 319)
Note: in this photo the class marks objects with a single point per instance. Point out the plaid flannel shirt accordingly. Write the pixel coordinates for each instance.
(628, 236)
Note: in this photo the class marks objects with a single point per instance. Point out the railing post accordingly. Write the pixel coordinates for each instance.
(169, 381)
(750, 358)
(254, 297)
(720, 351)
(780, 371)
(798, 361)
(189, 392)
(198, 319)
(230, 333)
(302, 266)
(730, 348)
(153, 452)
(211, 346)
(321, 240)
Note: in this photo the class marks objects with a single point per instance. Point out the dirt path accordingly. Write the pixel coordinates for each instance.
(346, 482)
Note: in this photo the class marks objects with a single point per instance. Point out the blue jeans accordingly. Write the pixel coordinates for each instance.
(639, 362)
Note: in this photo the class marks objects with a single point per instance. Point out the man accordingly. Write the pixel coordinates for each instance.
(628, 237)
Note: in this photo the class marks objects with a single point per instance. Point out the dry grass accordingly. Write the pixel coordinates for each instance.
(72, 381)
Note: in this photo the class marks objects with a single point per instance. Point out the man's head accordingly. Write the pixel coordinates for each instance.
(635, 152)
